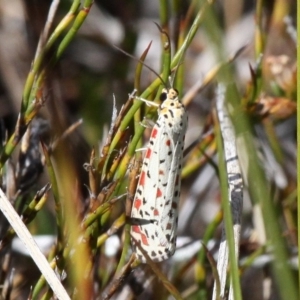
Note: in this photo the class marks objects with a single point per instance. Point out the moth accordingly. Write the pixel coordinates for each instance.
(154, 211)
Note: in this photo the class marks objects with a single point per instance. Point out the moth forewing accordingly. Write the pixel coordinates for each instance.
(155, 205)
(169, 216)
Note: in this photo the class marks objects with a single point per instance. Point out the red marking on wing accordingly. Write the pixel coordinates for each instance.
(142, 179)
(156, 212)
(154, 133)
(161, 172)
(148, 153)
(168, 142)
(137, 203)
(158, 193)
(136, 228)
(169, 226)
(144, 239)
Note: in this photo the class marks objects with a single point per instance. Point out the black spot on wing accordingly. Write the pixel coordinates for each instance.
(153, 254)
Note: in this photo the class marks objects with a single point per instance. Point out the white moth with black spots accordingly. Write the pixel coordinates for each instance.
(154, 211)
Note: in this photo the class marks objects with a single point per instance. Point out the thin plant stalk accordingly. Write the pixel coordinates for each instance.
(298, 129)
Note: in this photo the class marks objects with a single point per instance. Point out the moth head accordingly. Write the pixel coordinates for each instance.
(170, 94)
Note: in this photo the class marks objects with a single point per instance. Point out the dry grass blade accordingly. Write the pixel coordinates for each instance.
(40, 260)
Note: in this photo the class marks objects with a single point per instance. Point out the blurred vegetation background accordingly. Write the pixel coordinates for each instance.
(77, 75)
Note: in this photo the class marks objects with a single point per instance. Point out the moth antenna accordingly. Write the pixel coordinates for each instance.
(142, 62)
(171, 82)
(180, 62)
